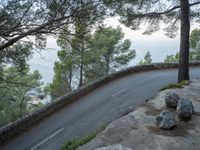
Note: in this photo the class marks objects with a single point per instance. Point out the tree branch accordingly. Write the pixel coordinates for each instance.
(164, 12)
(32, 31)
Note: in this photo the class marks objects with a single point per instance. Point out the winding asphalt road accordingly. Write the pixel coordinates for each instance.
(95, 109)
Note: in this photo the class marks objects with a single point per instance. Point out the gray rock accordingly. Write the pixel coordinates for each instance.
(185, 108)
(166, 120)
(171, 99)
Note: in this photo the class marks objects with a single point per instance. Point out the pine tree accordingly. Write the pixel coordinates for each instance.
(110, 50)
(147, 59)
(14, 102)
(173, 13)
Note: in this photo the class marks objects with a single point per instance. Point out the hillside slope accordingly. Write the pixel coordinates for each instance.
(137, 130)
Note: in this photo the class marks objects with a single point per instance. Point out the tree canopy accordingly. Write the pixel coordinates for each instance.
(22, 18)
(14, 101)
(111, 49)
(170, 13)
(96, 55)
(153, 13)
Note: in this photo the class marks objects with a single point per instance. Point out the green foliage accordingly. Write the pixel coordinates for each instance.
(175, 85)
(172, 58)
(110, 51)
(18, 17)
(195, 45)
(35, 107)
(22, 18)
(152, 13)
(70, 62)
(73, 54)
(194, 38)
(14, 85)
(16, 79)
(61, 81)
(16, 55)
(194, 48)
(147, 59)
(88, 58)
(172, 14)
(73, 144)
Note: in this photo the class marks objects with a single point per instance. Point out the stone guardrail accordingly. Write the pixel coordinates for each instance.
(13, 129)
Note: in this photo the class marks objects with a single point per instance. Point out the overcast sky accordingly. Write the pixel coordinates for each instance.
(158, 44)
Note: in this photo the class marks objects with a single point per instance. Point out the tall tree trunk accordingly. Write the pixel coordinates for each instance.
(107, 67)
(81, 65)
(70, 78)
(107, 60)
(21, 107)
(81, 74)
(183, 73)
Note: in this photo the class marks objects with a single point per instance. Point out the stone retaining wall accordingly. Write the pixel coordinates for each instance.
(13, 129)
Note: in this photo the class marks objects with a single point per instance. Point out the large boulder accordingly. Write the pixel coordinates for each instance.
(185, 108)
(166, 120)
(171, 99)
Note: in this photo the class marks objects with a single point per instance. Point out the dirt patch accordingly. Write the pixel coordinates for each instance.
(153, 111)
(196, 113)
(181, 129)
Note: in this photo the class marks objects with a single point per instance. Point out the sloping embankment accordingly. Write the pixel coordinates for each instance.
(137, 130)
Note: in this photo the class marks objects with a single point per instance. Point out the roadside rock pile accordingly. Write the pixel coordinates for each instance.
(184, 108)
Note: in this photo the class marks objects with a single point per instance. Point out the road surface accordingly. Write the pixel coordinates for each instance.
(95, 109)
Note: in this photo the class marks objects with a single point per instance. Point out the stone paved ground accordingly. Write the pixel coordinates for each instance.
(137, 130)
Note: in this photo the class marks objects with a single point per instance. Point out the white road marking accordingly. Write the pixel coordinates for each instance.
(119, 92)
(48, 138)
